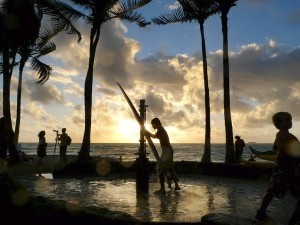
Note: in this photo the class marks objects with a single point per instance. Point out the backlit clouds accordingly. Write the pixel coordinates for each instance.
(264, 79)
(45, 94)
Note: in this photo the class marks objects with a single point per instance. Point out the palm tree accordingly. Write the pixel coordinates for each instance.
(198, 11)
(14, 30)
(41, 47)
(224, 7)
(100, 12)
(19, 24)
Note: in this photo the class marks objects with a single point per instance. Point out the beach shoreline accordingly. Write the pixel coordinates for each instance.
(104, 166)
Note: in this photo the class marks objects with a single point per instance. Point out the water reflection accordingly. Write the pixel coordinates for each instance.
(199, 195)
(143, 209)
(210, 199)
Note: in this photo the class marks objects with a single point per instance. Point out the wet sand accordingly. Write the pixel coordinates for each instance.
(199, 195)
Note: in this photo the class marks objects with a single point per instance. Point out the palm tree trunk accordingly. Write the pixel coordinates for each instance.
(84, 154)
(6, 87)
(207, 146)
(19, 95)
(229, 155)
(13, 153)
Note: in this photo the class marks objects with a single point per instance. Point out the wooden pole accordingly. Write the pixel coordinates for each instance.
(142, 162)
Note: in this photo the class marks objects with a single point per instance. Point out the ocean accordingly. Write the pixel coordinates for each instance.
(182, 152)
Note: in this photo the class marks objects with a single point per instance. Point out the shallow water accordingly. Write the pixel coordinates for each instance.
(198, 196)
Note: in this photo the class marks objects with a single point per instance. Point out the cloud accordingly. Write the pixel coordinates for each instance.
(43, 93)
(263, 80)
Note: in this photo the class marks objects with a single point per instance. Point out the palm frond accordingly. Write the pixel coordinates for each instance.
(125, 11)
(83, 4)
(225, 6)
(61, 16)
(188, 6)
(134, 17)
(43, 70)
(46, 49)
(47, 32)
(177, 15)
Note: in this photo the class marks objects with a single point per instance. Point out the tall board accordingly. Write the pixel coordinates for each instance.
(138, 118)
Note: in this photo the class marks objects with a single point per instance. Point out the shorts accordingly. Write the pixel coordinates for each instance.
(166, 160)
(285, 178)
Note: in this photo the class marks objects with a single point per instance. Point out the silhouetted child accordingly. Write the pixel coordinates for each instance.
(286, 170)
(165, 163)
(41, 149)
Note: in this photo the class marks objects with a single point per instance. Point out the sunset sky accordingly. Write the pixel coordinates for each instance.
(163, 65)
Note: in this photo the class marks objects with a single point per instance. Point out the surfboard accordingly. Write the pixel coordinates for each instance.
(137, 117)
(148, 138)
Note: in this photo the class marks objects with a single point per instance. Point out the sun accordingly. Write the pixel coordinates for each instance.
(129, 130)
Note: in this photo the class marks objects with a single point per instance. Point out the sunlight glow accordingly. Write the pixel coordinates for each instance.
(129, 130)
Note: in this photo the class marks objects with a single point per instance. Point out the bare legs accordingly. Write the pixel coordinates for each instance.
(162, 183)
(262, 211)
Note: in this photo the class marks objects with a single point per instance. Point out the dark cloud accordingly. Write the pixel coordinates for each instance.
(42, 93)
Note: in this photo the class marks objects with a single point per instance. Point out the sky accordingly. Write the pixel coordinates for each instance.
(163, 65)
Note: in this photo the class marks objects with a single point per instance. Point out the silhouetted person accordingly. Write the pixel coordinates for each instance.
(286, 171)
(239, 148)
(41, 149)
(63, 138)
(165, 163)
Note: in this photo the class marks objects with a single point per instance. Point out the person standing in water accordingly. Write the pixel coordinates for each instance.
(165, 163)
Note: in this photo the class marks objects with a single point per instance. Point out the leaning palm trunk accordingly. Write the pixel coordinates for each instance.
(207, 147)
(84, 153)
(229, 155)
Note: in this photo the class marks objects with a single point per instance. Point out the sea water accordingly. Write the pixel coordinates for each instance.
(182, 152)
